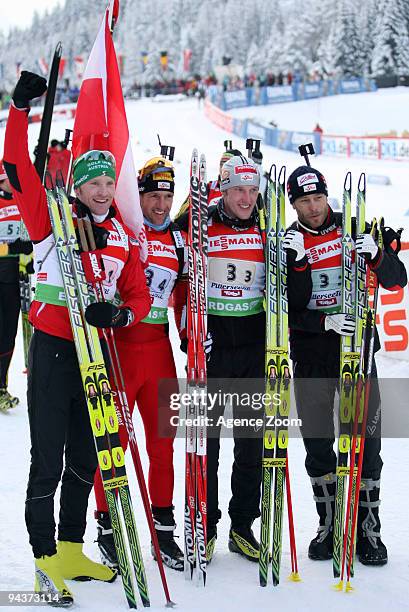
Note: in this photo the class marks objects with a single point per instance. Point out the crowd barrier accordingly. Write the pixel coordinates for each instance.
(370, 147)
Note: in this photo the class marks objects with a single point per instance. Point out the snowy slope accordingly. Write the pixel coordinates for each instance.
(232, 582)
(366, 114)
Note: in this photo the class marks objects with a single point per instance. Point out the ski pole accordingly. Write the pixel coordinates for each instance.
(126, 414)
(294, 564)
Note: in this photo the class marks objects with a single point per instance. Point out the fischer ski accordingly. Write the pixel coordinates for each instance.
(99, 397)
(347, 363)
(277, 372)
(95, 277)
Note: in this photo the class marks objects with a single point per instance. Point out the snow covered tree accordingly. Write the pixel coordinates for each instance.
(348, 59)
(391, 49)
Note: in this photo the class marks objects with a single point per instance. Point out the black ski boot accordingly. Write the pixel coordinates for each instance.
(243, 542)
(165, 525)
(105, 540)
(321, 547)
(211, 542)
(369, 547)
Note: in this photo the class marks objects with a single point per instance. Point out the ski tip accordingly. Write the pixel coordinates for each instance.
(362, 182)
(348, 181)
(294, 577)
(281, 175)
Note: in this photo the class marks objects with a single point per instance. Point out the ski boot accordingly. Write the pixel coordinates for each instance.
(7, 401)
(76, 566)
(105, 540)
(165, 525)
(211, 543)
(243, 542)
(49, 580)
(370, 549)
(321, 547)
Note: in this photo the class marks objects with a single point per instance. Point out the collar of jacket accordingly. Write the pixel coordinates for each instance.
(234, 223)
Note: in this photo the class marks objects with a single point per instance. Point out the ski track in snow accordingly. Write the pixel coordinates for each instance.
(232, 582)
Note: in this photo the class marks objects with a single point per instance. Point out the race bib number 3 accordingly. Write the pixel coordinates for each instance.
(232, 272)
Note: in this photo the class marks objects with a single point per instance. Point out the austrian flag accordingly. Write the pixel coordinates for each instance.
(100, 123)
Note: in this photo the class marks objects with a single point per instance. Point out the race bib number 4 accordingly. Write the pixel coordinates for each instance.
(158, 280)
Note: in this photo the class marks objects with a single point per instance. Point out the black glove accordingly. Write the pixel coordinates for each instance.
(105, 314)
(183, 345)
(20, 247)
(29, 86)
(101, 236)
(30, 267)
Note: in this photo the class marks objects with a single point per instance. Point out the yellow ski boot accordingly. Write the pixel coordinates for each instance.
(76, 566)
(49, 580)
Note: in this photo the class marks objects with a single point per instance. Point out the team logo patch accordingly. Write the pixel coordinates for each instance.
(42, 277)
(326, 302)
(245, 169)
(307, 178)
(233, 293)
(308, 188)
(162, 176)
(164, 185)
(225, 174)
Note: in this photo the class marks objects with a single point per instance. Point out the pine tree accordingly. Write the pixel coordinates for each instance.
(390, 53)
(348, 58)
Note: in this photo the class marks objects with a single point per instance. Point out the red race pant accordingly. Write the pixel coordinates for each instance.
(143, 365)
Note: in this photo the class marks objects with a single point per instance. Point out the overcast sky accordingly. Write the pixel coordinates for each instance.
(20, 12)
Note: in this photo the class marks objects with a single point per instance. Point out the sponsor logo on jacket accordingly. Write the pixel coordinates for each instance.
(324, 251)
(224, 242)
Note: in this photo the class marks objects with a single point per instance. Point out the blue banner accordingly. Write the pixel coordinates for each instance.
(255, 96)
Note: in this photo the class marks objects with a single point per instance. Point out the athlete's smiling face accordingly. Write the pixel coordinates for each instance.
(312, 209)
(239, 202)
(98, 194)
(156, 205)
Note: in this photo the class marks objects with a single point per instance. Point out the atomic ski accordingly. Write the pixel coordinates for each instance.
(196, 443)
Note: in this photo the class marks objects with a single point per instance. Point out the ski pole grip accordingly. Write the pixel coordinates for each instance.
(93, 267)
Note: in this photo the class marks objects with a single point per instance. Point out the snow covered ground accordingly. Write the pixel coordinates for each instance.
(358, 114)
(232, 581)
